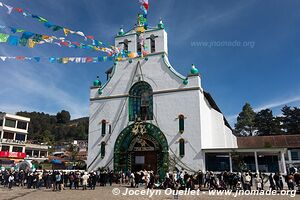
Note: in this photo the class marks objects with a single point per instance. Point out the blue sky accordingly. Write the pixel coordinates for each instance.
(266, 75)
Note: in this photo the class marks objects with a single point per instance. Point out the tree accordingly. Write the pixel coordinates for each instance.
(245, 121)
(291, 119)
(266, 124)
(63, 117)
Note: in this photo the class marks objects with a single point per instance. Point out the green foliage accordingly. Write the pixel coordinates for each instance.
(245, 121)
(266, 123)
(51, 129)
(291, 120)
(63, 117)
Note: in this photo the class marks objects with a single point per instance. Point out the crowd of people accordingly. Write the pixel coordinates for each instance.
(61, 180)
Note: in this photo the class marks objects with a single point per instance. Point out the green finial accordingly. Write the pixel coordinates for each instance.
(121, 32)
(146, 58)
(185, 82)
(100, 91)
(194, 70)
(130, 60)
(161, 24)
(97, 82)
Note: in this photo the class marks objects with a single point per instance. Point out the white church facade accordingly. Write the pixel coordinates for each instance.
(148, 116)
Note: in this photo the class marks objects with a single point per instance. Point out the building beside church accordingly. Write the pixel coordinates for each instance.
(13, 137)
(148, 116)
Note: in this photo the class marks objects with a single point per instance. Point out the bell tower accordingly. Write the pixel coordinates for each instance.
(143, 40)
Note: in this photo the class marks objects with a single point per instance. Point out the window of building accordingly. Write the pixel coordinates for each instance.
(103, 127)
(295, 154)
(5, 148)
(139, 47)
(28, 153)
(43, 154)
(10, 123)
(102, 149)
(152, 43)
(109, 129)
(181, 123)
(20, 137)
(181, 147)
(17, 149)
(141, 102)
(8, 135)
(125, 48)
(22, 125)
(1, 122)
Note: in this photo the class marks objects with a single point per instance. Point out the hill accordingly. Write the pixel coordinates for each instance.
(57, 128)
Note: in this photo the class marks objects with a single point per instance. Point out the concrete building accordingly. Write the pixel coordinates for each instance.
(37, 152)
(13, 130)
(148, 116)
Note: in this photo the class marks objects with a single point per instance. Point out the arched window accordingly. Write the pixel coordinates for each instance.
(181, 147)
(102, 150)
(125, 48)
(152, 43)
(181, 123)
(141, 102)
(103, 127)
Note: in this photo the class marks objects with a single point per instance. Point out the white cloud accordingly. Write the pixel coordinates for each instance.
(34, 88)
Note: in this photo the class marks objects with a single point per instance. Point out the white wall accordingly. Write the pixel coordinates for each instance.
(204, 126)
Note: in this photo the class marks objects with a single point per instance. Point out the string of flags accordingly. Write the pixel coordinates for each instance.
(60, 60)
(31, 39)
(55, 28)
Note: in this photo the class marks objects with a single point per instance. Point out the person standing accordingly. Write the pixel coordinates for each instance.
(258, 182)
(200, 179)
(11, 179)
(85, 178)
(57, 182)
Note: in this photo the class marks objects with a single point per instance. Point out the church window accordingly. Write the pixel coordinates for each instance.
(102, 150)
(181, 123)
(109, 129)
(125, 48)
(141, 102)
(152, 43)
(139, 47)
(181, 147)
(103, 128)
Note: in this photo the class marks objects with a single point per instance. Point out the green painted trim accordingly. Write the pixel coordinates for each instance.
(123, 141)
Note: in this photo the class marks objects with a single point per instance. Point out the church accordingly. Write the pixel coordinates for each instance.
(148, 116)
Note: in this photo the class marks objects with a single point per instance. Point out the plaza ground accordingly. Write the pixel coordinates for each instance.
(106, 193)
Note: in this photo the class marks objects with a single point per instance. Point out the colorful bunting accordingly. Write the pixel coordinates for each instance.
(3, 37)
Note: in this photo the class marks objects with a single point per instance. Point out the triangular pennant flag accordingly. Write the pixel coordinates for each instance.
(37, 59)
(3, 37)
(65, 60)
(52, 60)
(78, 60)
(3, 58)
(10, 9)
(66, 31)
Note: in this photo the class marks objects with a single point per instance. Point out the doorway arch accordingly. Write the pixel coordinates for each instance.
(141, 139)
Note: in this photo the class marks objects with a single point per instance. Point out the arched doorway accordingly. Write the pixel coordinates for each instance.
(141, 146)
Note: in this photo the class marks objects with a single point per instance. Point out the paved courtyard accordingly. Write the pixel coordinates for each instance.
(107, 193)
